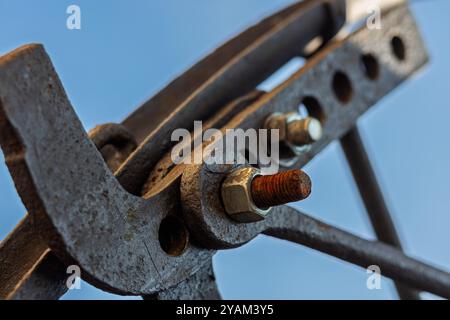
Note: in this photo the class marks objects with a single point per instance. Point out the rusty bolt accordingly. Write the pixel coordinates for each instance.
(281, 188)
(248, 196)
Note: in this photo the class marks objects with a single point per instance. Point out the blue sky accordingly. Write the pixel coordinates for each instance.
(127, 50)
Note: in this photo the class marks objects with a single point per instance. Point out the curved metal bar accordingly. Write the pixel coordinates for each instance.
(288, 224)
(45, 281)
(28, 269)
(312, 18)
(72, 195)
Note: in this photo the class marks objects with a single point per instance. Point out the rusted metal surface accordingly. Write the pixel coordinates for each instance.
(372, 197)
(160, 244)
(247, 195)
(64, 181)
(45, 281)
(29, 270)
(21, 254)
(282, 188)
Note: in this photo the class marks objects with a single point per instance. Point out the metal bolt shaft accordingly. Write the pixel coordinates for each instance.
(281, 188)
(304, 131)
(296, 131)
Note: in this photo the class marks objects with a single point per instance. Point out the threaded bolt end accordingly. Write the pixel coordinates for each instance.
(281, 188)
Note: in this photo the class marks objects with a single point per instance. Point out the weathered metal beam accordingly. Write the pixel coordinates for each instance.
(19, 252)
(45, 281)
(299, 228)
(67, 187)
(28, 270)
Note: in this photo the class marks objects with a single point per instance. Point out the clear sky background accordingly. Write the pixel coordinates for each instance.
(127, 50)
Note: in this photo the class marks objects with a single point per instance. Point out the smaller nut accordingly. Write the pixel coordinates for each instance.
(237, 196)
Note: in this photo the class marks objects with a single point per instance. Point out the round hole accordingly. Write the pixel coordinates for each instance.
(313, 108)
(342, 87)
(173, 236)
(371, 67)
(398, 48)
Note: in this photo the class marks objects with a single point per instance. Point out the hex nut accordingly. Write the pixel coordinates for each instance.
(278, 121)
(237, 196)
